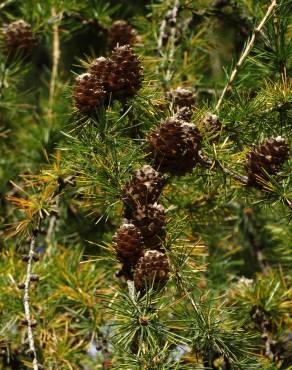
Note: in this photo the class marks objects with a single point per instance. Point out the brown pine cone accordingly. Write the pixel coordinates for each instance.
(126, 78)
(128, 244)
(121, 33)
(266, 159)
(143, 188)
(88, 92)
(152, 268)
(18, 36)
(150, 220)
(181, 98)
(174, 146)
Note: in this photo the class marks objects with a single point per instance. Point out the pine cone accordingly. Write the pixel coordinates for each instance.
(88, 92)
(121, 33)
(150, 220)
(127, 73)
(174, 146)
(120, 75)
(152, 268)
(143, 188)
(128, 244)
(18, 36)
(266, 159)
(182, 98)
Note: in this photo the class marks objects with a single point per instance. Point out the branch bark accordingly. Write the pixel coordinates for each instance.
(245, 53)
(26, 301)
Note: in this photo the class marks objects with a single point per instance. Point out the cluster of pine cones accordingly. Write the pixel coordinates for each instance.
(18, 37)
(138, 242)
(173, 148)
(118, 77)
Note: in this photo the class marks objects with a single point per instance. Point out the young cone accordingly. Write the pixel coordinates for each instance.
(143, 188)
(174, 146)
(266, 159)
(18, 36)
(88, 92)
(182, 98)
(121, 33)
(152, 268)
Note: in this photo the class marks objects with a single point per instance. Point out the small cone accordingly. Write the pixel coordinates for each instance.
(174, 146)
(182, 98)
(150, 220)
(266, 159)
(88, 93)
(143, 188)
(18, 36)
(152, 268)
(128, 244)
(121, 33)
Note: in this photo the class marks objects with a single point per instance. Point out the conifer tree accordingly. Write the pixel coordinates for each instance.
(145, 184)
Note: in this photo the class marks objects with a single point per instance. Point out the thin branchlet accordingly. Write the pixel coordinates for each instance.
(215, 164)
(245, 53)
(55, 58)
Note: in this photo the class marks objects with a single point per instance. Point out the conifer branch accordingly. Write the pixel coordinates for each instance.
(26, 300)
(245, 53)
(171, 15)
(174, 14)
